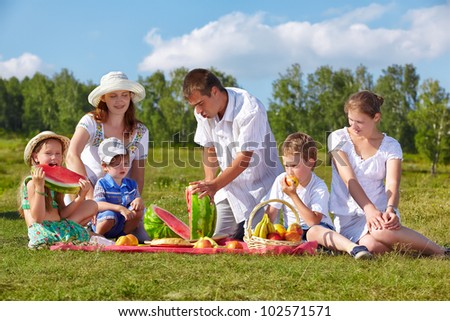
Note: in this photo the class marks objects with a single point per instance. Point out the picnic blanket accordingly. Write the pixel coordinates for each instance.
(304, 248)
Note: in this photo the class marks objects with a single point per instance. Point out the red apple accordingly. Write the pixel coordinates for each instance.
(274, 236)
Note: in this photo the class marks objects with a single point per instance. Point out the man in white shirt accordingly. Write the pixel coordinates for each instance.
(232, 127)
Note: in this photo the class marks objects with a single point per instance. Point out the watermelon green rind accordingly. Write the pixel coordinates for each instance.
(60, 179)
(202, 215)
(171, 221)
(155, 227)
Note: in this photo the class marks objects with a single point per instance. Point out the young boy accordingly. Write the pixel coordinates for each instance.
(120, 205)
(310, 197)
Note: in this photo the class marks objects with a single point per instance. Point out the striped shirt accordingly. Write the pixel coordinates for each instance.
(244, 127)
(107, 190)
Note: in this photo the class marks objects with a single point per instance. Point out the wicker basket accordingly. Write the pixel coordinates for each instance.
(254, 242)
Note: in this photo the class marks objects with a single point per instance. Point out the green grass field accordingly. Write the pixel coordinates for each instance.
(54, 275)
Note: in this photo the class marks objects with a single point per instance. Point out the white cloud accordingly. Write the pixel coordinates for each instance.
(25, 65)
(246, 47)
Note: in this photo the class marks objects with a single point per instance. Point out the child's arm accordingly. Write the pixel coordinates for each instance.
(393, 174)
(67, 210)
(36, 196)
(310, 217)
(373, 215)
(105, 206)
(272, 212)
(137, 204)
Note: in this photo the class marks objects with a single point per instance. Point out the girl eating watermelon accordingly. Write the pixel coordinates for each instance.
(47, 217)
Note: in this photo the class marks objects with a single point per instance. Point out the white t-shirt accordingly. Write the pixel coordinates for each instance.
(370, 173)
(137, 147)
(315, 196)
(244, 127)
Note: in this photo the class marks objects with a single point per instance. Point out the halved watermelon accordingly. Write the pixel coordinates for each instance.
(202, 215)
(157, 230)
(61, 179)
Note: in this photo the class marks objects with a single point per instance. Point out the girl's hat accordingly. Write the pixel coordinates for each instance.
(39, 138)
(116, 80)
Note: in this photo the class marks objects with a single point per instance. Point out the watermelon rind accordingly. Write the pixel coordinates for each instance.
(168, 219)
(202, 215)
(61, 179)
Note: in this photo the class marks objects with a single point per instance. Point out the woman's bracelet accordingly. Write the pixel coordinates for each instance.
(40, 193)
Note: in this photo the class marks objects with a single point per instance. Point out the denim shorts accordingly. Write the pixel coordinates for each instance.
(117, 229)
(326, 225)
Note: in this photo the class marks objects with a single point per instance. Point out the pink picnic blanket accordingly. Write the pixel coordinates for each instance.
(304, 248)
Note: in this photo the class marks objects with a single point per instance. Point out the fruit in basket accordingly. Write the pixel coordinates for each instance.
(295, 227)
(274, 236)
(202, 215)
(234, 245)
(291, 180)
(280, 229)
(293, 236)
(264, 227)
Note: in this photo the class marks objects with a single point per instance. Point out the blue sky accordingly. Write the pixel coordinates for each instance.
(254, 40)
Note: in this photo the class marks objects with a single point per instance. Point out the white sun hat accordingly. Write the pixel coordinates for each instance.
(39, 138)
(116, 80)
(109, 148)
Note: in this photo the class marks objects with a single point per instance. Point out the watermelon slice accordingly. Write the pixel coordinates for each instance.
(179, 227)
(61, 179)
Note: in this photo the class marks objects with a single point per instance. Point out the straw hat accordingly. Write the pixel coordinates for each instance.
(116, 80)
(39, 138)
(109, 148)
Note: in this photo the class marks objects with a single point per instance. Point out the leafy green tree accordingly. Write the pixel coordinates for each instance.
(3, 104)
(69, 99)
(398, 85)
(327, 92)
(14, 105)
(432, 122)
(40, 110)
(287, 110)
(164, 110)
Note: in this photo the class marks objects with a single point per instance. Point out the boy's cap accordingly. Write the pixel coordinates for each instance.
(109, 148)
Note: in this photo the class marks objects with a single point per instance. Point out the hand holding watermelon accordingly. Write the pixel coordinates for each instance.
(61, 179)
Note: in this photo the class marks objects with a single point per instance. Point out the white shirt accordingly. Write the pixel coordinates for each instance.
(315, 196)
(244, 127)
(370, 173)
(137, 147)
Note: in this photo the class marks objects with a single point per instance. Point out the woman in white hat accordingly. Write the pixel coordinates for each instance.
(114, 116)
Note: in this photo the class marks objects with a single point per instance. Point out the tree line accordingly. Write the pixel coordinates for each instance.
(416, 114)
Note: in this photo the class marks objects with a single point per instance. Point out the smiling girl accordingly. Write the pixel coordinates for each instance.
(47, 217)
(366, 172)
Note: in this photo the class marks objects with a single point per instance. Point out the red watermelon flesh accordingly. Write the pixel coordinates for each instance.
(61, 179)
(173, 222)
